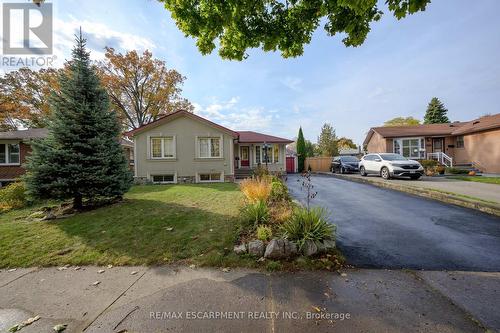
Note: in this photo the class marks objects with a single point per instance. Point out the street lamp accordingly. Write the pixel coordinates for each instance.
(265, 146)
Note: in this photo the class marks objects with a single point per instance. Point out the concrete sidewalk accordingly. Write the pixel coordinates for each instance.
(188, 300)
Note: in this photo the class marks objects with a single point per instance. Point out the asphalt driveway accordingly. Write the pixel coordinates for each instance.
(389, 229)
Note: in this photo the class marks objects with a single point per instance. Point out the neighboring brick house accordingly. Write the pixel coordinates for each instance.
(474, 144)
(15, 147)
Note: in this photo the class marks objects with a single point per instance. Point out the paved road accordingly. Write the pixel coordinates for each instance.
(389, 229)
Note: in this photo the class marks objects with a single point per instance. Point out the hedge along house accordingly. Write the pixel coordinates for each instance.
(183, 147)
(474, 144)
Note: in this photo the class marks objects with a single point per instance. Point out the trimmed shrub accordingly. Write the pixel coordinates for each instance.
(256, 213)
(429, 163)
(455, 171)
(13, 196)
(256, 189)
(279, 191)
(307, 225)
(264, 233)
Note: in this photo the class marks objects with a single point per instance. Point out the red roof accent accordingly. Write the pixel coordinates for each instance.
(254, 137)
(175, 115)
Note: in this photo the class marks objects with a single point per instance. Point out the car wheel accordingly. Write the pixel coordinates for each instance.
(385, 173)
(415, 177)
(362, 171)
(332, 169)
(342, 171)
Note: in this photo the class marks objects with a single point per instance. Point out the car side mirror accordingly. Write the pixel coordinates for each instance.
(377, 160)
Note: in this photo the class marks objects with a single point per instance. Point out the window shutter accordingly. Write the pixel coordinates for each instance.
(148, 145)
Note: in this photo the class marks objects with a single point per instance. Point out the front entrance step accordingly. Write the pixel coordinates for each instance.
(243, 173)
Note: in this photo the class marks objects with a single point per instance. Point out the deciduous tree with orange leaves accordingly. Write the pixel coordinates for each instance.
(24, 95)
(141, 88)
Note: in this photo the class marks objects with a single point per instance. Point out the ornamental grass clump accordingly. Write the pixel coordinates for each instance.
(256, 189)
(264, 233)
(255, 213)
(308, 225)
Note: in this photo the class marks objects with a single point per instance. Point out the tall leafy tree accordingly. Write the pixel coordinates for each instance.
(24, 97)
(310, 149)
(402, 121)
(436, 112)
(327, 141)
(301, 150)
(343, 143)
(141, 88)
(81, 158)
(278, 25)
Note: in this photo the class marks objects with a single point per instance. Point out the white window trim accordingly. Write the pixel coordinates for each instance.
(174, 142)
(164, 174)
(198, 147)
(271, 157)
(7, 155)
(400, 140)
(221, 180)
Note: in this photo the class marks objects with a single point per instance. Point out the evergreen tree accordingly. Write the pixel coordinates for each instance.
(81, 158)
(301, 150)
(327, 141)
(436, 112)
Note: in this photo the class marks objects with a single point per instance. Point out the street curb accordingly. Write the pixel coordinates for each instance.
(484, 207)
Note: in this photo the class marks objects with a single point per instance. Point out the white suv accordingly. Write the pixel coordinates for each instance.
(390, 165)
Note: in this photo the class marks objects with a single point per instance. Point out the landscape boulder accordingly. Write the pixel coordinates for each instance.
(240, 249)
(310, 248)
(275, 249)
(329, 244)
(290, 248)
(256, 248)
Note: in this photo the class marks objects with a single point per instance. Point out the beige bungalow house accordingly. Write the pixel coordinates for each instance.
(183, 147)
(474, 144)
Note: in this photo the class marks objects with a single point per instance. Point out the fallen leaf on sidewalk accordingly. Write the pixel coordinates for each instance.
(192, 266)
(62, 268)
(12, 270)
(60, 327)
(316, 308)
(226, 269)
(27, 322)
(96, 283)
(133, 273)
(77, 268)
(169, 229)
(109, 266)
(100, 271)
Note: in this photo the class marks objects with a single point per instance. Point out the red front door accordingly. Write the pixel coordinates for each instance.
(245, 160)
(290, 164)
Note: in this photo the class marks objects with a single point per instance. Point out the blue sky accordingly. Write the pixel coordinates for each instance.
(451, 51)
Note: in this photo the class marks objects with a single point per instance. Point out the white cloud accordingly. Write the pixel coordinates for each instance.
(230, 114)
(98, 36)
(293, 83)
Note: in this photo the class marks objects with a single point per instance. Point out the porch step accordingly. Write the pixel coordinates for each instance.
(243, 173)
(467, 167)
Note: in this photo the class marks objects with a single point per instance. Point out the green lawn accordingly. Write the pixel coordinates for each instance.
(479, 179)
(204, 220)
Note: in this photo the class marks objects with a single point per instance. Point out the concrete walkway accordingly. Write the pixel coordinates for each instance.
(193, 300)
(487, 192)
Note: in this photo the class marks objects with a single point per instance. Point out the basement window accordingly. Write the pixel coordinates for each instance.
(210, 177)
(163, 179)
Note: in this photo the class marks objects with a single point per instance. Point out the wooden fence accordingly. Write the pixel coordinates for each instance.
(318, 163)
